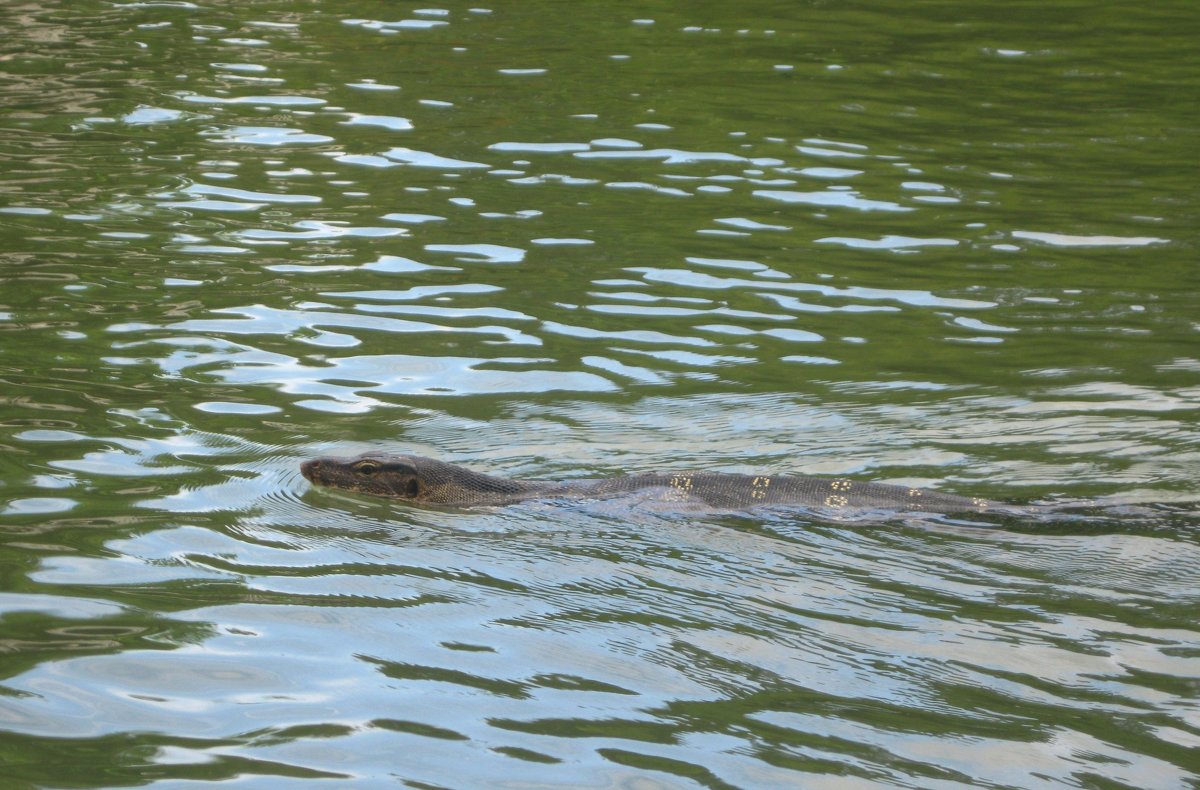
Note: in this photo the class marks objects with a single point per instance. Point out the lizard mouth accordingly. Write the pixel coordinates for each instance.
(311, 470)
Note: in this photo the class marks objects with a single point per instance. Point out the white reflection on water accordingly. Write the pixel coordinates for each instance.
(693, 279)
(390, 122)
(840, 198)
(263, 320)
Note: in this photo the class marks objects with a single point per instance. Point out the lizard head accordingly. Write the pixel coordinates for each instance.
(379, 474)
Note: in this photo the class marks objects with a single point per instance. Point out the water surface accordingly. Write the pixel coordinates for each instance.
(923, 243)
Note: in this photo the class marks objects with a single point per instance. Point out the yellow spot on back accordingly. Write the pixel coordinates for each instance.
(681, 488)
(759, 486)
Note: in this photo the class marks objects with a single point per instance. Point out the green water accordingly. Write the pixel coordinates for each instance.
(940, 244)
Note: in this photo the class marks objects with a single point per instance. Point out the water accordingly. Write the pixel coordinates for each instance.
(921, 243)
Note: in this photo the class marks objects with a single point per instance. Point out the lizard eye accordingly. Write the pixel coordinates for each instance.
(367, 468)
(413, 489)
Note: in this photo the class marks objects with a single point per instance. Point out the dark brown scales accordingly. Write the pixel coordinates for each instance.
(427, 481)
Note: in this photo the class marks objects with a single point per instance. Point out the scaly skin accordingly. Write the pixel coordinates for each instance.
(413, 478)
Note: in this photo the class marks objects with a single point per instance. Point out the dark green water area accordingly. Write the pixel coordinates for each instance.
(929, 243)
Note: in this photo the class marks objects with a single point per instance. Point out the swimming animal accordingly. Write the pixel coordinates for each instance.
(412, 478)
